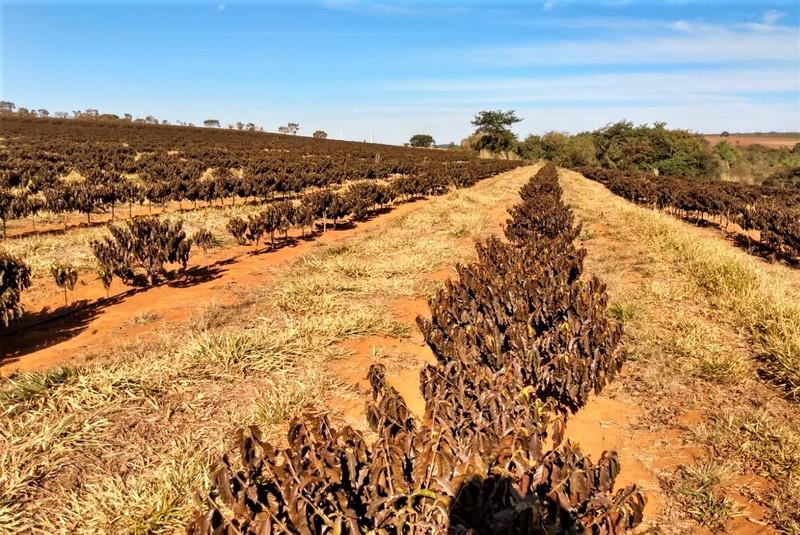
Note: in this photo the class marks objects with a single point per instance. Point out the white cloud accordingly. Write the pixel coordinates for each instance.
(220, 7)
(549, 6)
(687, 43)
(772, 16)
(691, 86)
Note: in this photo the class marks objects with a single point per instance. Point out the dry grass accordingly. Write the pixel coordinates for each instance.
(123, 443)
(701, 317)
(700, 488)
(752, 299)
(762, 442)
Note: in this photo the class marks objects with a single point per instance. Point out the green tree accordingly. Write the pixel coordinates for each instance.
(494, 133)
(531, 148)
(554, 145)
(421, 140)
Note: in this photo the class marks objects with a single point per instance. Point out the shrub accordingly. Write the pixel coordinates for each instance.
(15, 277)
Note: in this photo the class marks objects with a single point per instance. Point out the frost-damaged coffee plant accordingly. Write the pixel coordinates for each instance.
(142, 246)
(520, 342)
(15, 276)
(65, 276)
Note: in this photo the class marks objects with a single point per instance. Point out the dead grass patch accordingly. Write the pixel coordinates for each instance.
(751, 299)
(701, 489)
(762, 443)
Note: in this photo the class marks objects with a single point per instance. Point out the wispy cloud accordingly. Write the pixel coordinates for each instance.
(687, 86)
(685, 43)
(772, 16)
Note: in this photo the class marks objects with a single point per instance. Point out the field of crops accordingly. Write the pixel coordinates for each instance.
(772, 213)
(53, 169)
(520, 340)
(200, 332)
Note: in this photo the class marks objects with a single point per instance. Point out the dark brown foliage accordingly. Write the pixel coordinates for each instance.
(772, 211)
(15, 276)
(142, 244)
(172, 161)
(65, 277)
(520, 341)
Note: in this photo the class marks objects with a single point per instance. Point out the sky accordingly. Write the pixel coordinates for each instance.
(387, 70)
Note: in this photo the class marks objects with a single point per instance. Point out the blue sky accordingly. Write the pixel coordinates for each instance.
(391, 69)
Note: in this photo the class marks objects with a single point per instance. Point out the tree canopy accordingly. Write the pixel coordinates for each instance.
(422, 140)
(493, 132)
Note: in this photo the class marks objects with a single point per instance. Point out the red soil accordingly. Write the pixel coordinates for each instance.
(104, 323)
(766, 141)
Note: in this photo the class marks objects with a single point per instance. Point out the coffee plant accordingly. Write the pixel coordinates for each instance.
(126, 163)
(15, 277)
(142, 245)
(65, 277)
(772, 211)
(204, 239)
(238, 228)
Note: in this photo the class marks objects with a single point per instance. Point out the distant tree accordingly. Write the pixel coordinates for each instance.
(91, 112)
(240, 125)
(293, 128)
(531, 148)
(128, 117)
(422, 140)
(320, 134)
(23, 111)
(61, 115)
(725, 133)
(7, 107)
(283, 129)
(211, 123)
(43, 112)
(250, 127)
(493, 132)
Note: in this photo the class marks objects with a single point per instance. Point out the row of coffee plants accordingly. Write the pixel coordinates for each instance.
(772, 211)
(358, 201)
(520, 341)
(62, 166)
(136, 252)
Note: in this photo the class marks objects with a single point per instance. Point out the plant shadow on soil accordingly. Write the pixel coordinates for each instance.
(50, 326)
(486, 506)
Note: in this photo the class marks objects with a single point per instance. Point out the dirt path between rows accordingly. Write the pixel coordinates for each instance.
(130, 312)
(654, 411)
